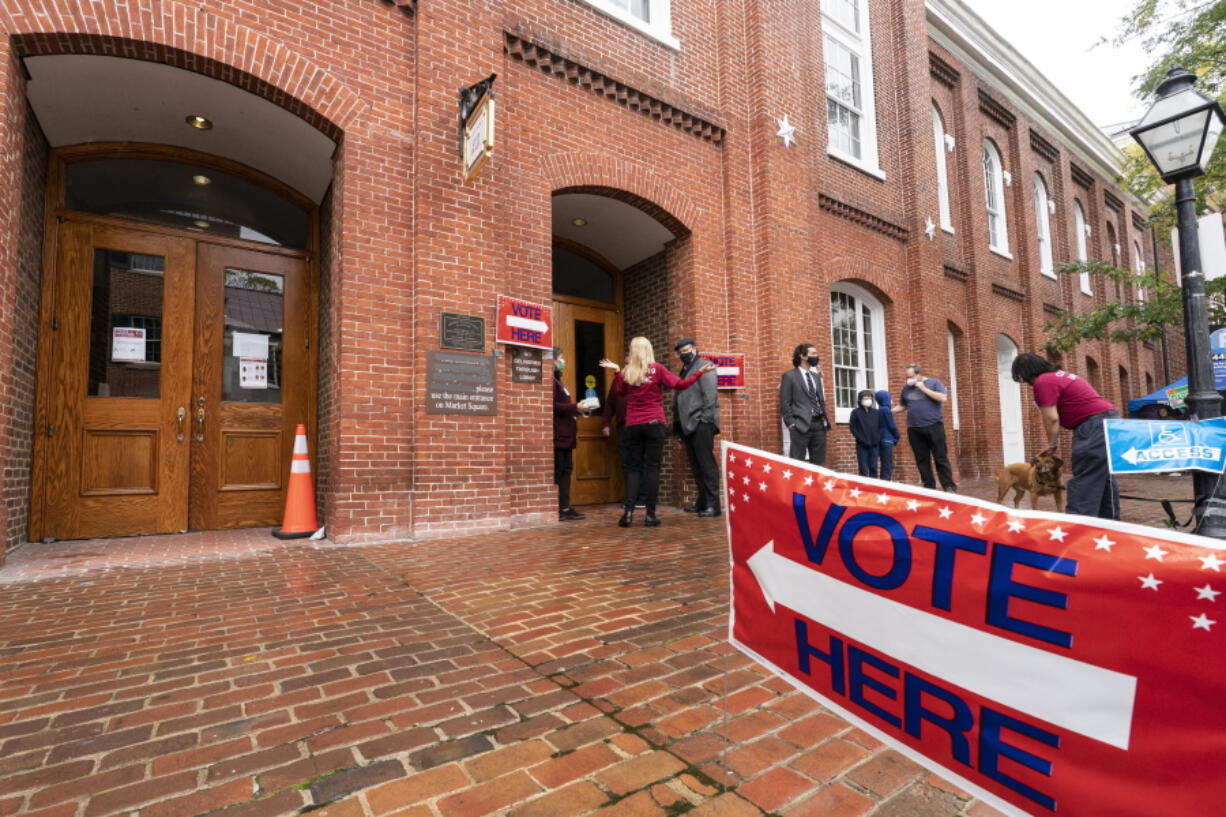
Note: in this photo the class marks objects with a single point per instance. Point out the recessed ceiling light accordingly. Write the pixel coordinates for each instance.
(199, 122)
(579, 222)
(204, 225)
(201, 180)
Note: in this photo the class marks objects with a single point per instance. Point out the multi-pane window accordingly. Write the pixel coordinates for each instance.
(994, 187)
(1081, 228)
(950, 341)
(651, 17)
(638, 8)
(849, 82)
(858, 326)
(1138, 266)
(1042, 220)
(938, 143)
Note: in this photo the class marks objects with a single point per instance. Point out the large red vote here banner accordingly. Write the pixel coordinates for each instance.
(1048, 663)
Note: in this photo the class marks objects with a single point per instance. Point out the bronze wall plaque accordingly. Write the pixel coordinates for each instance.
(462, 332)
(526, 365)
(460, 384)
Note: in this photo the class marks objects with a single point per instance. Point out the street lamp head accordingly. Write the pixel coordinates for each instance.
(1181, 129)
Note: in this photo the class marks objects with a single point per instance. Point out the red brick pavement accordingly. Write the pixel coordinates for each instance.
(543, 673)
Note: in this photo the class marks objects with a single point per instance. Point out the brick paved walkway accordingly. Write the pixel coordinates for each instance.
(545, 673)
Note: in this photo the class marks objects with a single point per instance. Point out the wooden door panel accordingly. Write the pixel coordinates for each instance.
(115, 463)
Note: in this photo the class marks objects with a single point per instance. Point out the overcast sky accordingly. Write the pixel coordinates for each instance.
(1058, 38)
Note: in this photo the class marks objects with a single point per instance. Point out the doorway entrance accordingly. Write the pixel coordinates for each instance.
(175, 374)
(1013, 441)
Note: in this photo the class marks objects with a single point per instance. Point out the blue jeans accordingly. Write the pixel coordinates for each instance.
(866, 459)
(887, 460)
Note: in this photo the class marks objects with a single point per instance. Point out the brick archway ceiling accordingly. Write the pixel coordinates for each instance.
(621, 228)
(80, 98)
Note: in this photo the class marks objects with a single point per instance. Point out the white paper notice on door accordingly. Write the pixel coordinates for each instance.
(127, 344)
(252, 373)
(249, 344)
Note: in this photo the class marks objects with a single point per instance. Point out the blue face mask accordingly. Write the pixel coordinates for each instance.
(559, 365)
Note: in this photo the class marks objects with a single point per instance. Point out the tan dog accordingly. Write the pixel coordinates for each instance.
(1039, 477)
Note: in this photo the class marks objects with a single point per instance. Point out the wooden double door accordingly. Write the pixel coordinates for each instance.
(173, 376)
(587, 332)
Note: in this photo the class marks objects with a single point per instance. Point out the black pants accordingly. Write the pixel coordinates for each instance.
(811, 442)
(644, 447)
(623, 458)
(887, 460)
(698, 447)
(866, 459)
(1092, 491)
(929, 441)
(563, 464)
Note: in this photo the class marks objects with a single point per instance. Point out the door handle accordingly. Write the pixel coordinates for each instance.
(200, 421)
(182, 413)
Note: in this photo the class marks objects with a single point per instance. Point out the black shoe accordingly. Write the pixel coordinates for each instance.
(569, 513)
(651, 520)
(693, 509)
(708, 512)
(627, 518)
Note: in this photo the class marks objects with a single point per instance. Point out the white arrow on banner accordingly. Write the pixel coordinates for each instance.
(526, 323)
(1081, 697)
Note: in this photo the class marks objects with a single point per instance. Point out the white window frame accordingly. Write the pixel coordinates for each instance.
(860, 44)
(994, 196)
(876, 327)
(1140, 268)
(1080, 228)
(939, 145)
(1042, 217)
(950, 340)
(659, 27)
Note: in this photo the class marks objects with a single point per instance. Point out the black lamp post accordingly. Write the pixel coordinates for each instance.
(1179, 133)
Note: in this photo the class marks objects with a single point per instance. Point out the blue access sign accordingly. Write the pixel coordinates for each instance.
(1148, 446)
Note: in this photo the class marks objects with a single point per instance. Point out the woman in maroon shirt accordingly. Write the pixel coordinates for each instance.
(642, 384)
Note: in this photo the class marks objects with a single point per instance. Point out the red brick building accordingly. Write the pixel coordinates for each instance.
(645, 179)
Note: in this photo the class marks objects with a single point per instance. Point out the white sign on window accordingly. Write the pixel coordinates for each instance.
(247, 344)
(127, 344)
(252, 373)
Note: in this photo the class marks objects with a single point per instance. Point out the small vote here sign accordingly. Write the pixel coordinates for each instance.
(521, 323)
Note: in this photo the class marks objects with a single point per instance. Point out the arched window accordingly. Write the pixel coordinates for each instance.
(1081, 229)
(994, 187)
(857, 323)
(1042, 218)
(1138, 266)
(938, 144)
(1113, 247)
(951, 344)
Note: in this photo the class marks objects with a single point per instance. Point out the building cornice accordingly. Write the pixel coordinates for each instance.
(956, 28)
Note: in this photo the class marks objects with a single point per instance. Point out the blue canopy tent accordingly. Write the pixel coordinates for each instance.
(1159, 398)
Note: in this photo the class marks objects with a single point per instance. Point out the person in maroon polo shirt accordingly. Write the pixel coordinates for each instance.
(1068, 400)
(643, 383)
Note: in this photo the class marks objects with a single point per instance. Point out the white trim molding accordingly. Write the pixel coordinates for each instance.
(658, 26)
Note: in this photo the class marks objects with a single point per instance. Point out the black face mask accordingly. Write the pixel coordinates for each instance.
(813, 361)
(688, 358)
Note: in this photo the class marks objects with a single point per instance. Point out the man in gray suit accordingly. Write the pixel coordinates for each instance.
(696, 421)
(802, 403)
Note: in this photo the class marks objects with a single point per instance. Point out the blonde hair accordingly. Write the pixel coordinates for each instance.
(641, 356)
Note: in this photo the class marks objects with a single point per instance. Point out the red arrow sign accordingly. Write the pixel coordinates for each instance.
(1051, 664)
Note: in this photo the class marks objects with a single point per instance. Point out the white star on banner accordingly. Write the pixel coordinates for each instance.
(1207, 592)
(1149, 582)
(745, 497)
(828, 484)
(766, 468)
(912, 505)
(787, 474)
(882, 499)
(731, 507)
(732, 456)
(745, 479)
(1057, 533)
(946, 512)
(786, 132)
(855, 493)
(1016, 525)
(748, 462)
(761, 486)
(1154, 552)
(1202, 622)
(978, 518)
(808, 481)
(1211, 562)
(1103, 543)
(732, 490)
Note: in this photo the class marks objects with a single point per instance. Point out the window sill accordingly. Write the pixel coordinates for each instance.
(1087, 294)
(1050, 274)
(1002, 253)
(857, 164)
(947, 229)
(630, 21)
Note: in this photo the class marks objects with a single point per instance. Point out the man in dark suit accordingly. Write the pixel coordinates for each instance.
(802, 403)
(696, 422)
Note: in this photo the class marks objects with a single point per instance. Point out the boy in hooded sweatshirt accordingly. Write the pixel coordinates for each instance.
(889, 434)
(866, 428)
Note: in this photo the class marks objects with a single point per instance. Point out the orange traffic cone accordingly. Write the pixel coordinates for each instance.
(300, 520)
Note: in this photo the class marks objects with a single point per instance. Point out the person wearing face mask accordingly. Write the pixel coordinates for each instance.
(866, 428)
(696, 422)
(923, 399)
(802, 404)
(889, 433)
(565, 433)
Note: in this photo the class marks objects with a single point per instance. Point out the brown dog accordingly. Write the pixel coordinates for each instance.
(1039, 477)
